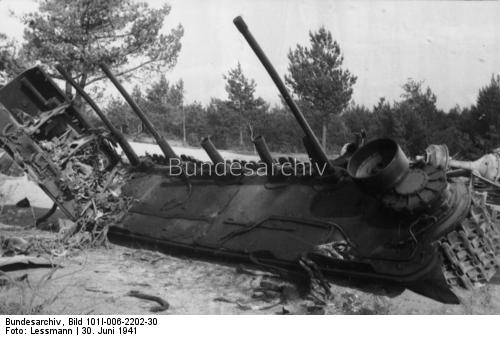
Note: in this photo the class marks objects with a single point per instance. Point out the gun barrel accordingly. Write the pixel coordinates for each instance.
(212, 152)
(164, 146)
(263, 151)
(320, 155)
(127, 149)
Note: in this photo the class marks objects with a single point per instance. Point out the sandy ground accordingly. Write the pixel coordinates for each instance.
(97, 281)
(198, 153)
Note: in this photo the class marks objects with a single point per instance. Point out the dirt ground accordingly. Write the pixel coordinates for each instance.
(98, 281)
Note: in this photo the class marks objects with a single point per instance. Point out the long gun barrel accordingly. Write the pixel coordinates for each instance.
(127, 149)
(318, 154)
(164, 146)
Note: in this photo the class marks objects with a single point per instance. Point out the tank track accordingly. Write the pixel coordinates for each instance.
(469, 253)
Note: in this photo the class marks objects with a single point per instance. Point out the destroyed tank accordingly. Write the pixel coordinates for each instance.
(369, 214)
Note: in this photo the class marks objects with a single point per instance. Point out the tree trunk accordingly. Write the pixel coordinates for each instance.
(183, 126)
(324, 134)
(250, 128)
(241, 124)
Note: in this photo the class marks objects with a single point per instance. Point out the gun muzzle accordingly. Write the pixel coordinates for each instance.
(211, 151)
(263, 151)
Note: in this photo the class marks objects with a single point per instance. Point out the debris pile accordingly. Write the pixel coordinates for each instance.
(8, 167)
(93, 181)
(13, 246)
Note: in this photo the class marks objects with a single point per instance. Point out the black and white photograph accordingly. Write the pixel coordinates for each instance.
(236, 157)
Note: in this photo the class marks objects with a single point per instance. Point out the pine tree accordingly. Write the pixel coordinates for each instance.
(316, 76)
(79, 34)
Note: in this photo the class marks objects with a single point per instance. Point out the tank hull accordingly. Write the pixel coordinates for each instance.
(276, 224)
(382, 218)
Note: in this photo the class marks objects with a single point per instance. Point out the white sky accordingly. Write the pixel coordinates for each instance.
(453, 46)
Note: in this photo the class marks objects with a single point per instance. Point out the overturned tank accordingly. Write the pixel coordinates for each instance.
(429, 225)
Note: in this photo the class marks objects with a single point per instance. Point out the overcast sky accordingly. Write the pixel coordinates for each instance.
(453, 46)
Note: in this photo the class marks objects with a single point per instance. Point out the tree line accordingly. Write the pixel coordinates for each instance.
(414, 120)
(129, 37)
